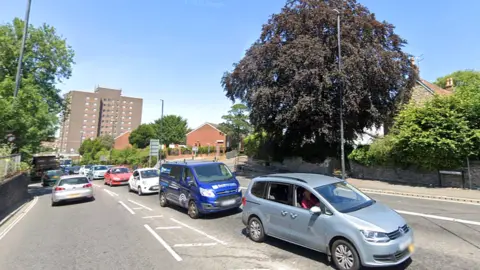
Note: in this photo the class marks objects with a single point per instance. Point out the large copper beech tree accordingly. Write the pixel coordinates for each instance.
(290, 80)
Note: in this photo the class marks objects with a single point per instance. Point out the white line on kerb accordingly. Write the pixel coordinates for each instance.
(198, 231)
(439, 217)
(195, 245)
(126, 207)
(168, 228)
(416, 197)
(11, 225)
(141, 205)
(164, 244)
(152, 216)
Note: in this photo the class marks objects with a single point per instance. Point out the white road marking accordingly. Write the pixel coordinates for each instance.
(439, 217)
(168, 228)
(22, 215)
(417, 197)
(195, 245)
(153, 216)
(198, 231)
(126, 207)
(137, 208)
(141, 205)
(110, 192)
(96, 185)
(243, 188)
(164, 244)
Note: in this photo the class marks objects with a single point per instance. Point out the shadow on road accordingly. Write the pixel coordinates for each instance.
(39, 190)
(211, 216)
(74, 202)
(314, 255)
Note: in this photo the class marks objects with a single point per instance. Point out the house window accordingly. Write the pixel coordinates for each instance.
(87, 103)
(88, 98)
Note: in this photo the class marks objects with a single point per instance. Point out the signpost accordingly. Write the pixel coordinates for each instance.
(154, 149)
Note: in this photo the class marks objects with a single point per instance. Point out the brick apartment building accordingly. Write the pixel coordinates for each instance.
(103, 112)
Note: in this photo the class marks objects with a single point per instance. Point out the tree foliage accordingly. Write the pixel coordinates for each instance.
(140, 137)
(172, 129)
(236, 124)
(48, 60)
(290, 81)
(466, 83)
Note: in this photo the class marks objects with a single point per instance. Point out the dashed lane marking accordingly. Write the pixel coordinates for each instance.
(168, 228)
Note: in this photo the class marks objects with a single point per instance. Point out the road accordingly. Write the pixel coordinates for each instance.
(121, 230)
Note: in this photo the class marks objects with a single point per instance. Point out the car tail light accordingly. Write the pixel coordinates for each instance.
(88, 185)
(244, 201)
(59, 188)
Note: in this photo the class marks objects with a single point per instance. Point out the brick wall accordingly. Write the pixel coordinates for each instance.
(13, 192)
(205, 135)
(121, 142)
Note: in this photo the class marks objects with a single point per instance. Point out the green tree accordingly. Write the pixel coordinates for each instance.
(236, 123)
(466, 83)
(171, 129)
(48, 61)
(106, 141)
(290, 81)
(140, 137)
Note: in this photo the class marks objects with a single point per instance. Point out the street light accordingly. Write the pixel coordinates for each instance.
(342, 143)
(159, 158)
(22, 49)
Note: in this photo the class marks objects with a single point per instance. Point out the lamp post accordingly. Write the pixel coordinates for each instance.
(160, 152)
(342, 143)
(22, 49)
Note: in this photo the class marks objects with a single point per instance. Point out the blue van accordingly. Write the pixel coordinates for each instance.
(200, 187)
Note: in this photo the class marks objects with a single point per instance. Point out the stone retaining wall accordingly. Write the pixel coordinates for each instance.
(13, 193)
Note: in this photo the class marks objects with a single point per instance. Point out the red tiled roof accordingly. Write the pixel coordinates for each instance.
(437, 89)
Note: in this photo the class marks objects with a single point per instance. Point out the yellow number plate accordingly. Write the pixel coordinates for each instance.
(73, 195)
(411, 248)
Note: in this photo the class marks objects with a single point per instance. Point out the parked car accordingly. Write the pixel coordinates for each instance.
(50, 177)
(117, 176)
(73, 170)
(328, 215)
(144, 181)
(201, 187)
(71, 188)
(84, 169)
(97, 172)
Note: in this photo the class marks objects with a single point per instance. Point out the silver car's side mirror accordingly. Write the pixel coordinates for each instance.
(315, 210)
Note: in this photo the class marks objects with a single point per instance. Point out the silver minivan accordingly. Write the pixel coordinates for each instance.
(328, 215)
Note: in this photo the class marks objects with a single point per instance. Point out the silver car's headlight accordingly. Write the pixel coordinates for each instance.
(375, 237)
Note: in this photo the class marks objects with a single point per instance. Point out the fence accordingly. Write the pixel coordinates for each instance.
(9, 165)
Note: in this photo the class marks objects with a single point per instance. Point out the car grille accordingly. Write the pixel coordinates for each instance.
(227, 197)
(225, 192)
(399, 232)
(397, 256)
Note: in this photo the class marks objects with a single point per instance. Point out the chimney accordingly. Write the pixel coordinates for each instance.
(449, 84)
(414, 65)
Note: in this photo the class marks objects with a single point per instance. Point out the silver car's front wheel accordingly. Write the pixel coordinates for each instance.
(345, 256)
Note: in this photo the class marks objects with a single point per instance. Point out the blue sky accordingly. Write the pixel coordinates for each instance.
(177, 50)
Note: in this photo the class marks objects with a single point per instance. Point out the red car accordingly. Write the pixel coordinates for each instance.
(116, 176)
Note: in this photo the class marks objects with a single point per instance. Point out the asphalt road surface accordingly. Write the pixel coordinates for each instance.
(121, 230)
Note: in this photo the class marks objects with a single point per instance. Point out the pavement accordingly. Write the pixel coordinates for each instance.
(121, 230)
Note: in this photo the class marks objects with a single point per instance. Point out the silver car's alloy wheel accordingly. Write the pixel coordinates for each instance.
(255, 229)
(344, 256)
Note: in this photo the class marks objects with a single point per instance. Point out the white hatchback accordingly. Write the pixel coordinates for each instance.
(144, 181)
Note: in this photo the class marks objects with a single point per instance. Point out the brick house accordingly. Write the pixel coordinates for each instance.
(121, 141)
(206, 134)
(421, 92)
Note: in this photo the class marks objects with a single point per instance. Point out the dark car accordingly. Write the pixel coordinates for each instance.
(50, 177)
(73, 170)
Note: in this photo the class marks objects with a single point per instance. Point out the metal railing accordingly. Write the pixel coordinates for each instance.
(9, 165)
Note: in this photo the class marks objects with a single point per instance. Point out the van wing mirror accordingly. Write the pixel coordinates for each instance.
(189, 181)
(315, 210)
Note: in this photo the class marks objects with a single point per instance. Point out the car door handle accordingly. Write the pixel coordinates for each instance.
(293, 215)
(284, 213)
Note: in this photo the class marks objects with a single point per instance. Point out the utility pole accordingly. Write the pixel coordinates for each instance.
(160, 152)
(22, 49)
(342, 143)
(113, 139)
